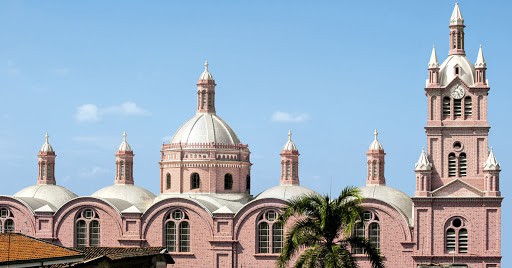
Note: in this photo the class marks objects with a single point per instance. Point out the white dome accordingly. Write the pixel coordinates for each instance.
(135, 195)
(396, 198)
(46, 148)
(55, 195)
(447, 70)
(285, 192)
(205, 128)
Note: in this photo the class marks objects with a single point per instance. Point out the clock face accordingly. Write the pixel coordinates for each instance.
(457, 92)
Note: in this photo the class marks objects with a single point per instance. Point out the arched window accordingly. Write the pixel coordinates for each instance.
(452, 165)
(87, 229)
(457, 107)
(446, 106)
(463, 165)
(374, 169)
(368, 228)
(270, 233)
(195, 181)
(168, 181)
(177, 239)
(228, 181)
(248, 182)
(468, 109)
(456, 239)
(6, 220)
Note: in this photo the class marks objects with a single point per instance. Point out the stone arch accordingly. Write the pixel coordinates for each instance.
(21, 210)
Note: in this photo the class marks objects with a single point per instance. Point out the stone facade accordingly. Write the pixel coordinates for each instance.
(206, 216)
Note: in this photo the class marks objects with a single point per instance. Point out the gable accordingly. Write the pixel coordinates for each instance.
(457, 188)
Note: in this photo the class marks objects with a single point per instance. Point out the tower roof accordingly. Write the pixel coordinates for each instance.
(289, 146)
(491, 163)
(456, 18)
(433, 63)
(423, 163)
(375, 145)
(480, 61)
(206, 75)
(124, 147)
(47, 148)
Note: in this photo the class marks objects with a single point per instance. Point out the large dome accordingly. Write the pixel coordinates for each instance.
(131, 194)
(447, 70)
(55, 195)
(396, 198)
(285, 192)
(205, 128)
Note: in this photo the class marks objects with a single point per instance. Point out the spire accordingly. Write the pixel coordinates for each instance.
(375, 145)
(46, 163)
(124, 163)
(433, 63)
(456, 18)
(124, 147)
(423, 163)
(290, 163)
(457, 32)
(289, 146)
(206, 92)
(480, 61)
(47, 148)
(375, 162)
(206, 75)
(491, 163)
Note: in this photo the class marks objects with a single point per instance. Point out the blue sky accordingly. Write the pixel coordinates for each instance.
(330, 71)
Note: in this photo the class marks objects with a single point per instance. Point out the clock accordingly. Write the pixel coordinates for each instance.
(457, 92)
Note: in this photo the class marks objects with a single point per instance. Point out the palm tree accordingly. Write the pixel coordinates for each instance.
(322, 231)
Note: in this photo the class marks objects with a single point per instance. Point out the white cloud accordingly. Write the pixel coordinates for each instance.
(93, 172)
(60, 71)
(167, 138)
(279, 116)
(93, 113)
(87, 113)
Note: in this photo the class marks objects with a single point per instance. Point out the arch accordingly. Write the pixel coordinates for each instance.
(228, 181)
(248, 182)
(176, 239)
(456, 234)
(195, 181)
(374, 234)
(20, 210)
(457, 107)
(384, 209)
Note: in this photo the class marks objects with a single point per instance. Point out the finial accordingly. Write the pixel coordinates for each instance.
(375, 133)
(124, 135)
(290, 135)
(46, 137)
(206, 65)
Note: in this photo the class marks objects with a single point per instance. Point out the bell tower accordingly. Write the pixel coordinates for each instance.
(457, 128)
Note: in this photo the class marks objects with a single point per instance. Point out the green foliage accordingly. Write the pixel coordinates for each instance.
(322, 231)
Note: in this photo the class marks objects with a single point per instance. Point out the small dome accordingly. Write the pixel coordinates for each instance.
(135, 195)
(205, 128)
(46, 148)
(124, 147)
(396, 198)
(55, 195)
(206, 75)
(375, 145)
(285, 192)
(447, 70)
(289, 146)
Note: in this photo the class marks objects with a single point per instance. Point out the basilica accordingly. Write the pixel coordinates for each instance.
(206, 215)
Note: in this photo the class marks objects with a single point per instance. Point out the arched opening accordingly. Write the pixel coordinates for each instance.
(463, 163)
(228, 181)
(457, 107)
(446, 106)
(468, 109)
(195, 181)
(452, 165)
(168, 181)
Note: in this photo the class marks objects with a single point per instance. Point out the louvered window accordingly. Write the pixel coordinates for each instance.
(457, 107)
(463, 165)
(452, 165)
(450, 241)
(446, 106)
(468, 109)
(463, 241)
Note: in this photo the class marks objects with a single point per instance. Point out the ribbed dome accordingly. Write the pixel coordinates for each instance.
(46, 148)
(205, 128)
(391, 196)
(375, 145)
(206, 75)
(447, 70)
(285, 192)
(132, 194)
(124, 147)
(54, 194)
(289, 146)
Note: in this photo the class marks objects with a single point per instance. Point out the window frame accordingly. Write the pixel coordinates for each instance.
(195, 181)
(7, 224)
(180, 238)
(88, 234)
(362, 229)
(269, 233)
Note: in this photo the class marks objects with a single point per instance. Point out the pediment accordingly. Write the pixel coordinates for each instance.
(457, 188)
(457, 80)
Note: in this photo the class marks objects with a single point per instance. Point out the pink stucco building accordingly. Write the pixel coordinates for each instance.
(206, 215)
